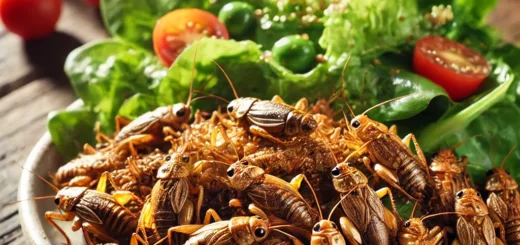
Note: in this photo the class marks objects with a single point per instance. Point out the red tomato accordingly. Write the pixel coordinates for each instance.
(94, 3)
(179, 28)
(30, 19)
(455, 67)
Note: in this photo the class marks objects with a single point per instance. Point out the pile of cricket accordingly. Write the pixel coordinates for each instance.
(266, 172)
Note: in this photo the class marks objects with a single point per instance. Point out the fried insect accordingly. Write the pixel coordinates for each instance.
(414, 232)
(271, 119)
(504, 202)
(168, 205)
(474, 226)
(96, 213)
(241, 230)
(448, 177)
(326, 232)
(85, 169)
(272, 194)
(165, 120)
(393, 160)
(367, 221)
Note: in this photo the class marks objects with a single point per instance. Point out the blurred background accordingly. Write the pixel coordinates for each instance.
(32, 83)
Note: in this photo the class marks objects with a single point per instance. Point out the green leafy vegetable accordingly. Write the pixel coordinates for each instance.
(104, 74)
(137, 105)
(71, 129)
(369, 28)
(499, 134)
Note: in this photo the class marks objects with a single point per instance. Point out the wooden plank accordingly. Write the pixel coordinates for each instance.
(24, 61)
(23, 123)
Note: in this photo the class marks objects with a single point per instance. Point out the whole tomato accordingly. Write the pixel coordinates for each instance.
(30, 19)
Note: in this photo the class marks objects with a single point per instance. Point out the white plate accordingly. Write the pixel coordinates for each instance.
(43, 160)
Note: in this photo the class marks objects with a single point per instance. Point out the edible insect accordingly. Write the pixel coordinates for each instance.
(273, 194)
(238, 230)
(367, 221)
(474, 226)
(168, 205)
(394, 161)
(96, 213)
(414, 232)
(448, 177)
(85, 169)
(504, 203)
(326, 232)
(154, 125)
(271, 119)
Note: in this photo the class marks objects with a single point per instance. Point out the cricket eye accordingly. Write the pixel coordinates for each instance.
(407, 223)
(57, 201)
(460, 194)
(316, 227)
(260, 232)
(335, 172)
(180, 112)
(355, 124)
(185, 158)
(231, 172)
(230, 108)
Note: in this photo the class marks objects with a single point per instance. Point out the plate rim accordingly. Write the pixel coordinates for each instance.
(30, 222)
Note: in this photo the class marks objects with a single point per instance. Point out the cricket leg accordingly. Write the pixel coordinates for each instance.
(391, 179)
(349, 230)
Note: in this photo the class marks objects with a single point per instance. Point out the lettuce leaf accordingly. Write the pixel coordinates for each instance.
(71, 129)
(105, 73)
(499, 134)
(368, 28)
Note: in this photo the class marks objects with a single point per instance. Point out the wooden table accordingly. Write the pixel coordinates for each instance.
(32, 84)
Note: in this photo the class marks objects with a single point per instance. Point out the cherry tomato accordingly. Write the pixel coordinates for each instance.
(94, 3)
(179, 28)
(30, 19)
(452, 65)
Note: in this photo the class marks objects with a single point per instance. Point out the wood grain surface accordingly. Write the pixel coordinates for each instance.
(32, 84)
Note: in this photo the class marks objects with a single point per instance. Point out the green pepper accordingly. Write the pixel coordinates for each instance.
(295, 53)
(239, 18)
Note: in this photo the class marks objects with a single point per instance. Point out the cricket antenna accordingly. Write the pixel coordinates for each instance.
(508, 155)
(438, 214)
(315, 196)
(56, 189)
(343, 73)
(337, 204)
(32, 199)
(227, 77)
(193, 74)
(463, 142)
(210, 96)
(413, 210)
(343, 86)
(389, 101)
(347, 122)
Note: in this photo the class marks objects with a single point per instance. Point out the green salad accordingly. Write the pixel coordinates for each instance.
(297, 49)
